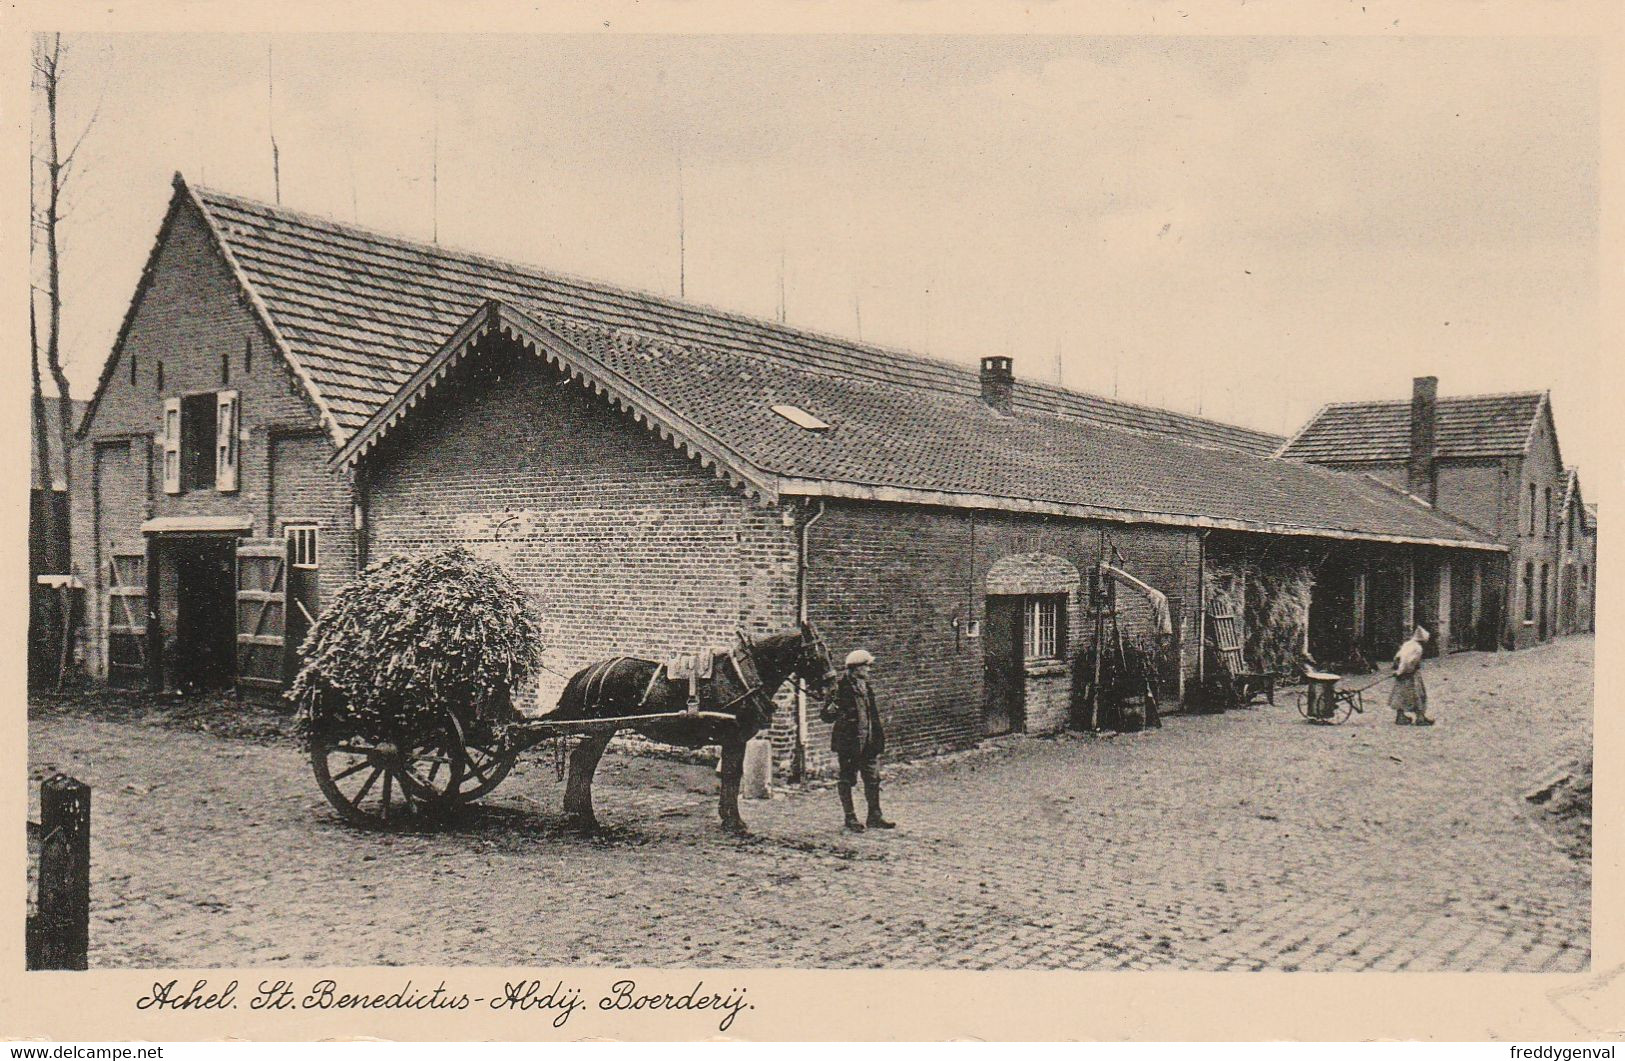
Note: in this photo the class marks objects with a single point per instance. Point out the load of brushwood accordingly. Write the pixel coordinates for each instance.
(1272, 597)
(414, 638)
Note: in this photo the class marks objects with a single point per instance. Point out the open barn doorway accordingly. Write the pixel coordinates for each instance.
(1333, 638)
(196, 608)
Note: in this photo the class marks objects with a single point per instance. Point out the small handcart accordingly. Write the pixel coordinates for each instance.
(1323, 702)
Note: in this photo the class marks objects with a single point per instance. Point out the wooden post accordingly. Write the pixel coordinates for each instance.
(1444, 635)
(64, 874)
(1409, 609)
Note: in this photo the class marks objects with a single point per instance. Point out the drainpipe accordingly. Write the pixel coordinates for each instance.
(1201, 609)
(799, 758)
(359, 500)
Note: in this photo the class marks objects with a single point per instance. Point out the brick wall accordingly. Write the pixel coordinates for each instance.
(626, 545)
(1475, 491)
(1543, 546)
(894, 579)
(1471, 490)
(192, 320)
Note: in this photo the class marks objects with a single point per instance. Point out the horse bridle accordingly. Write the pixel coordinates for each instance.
(745, 643)
(820, 647)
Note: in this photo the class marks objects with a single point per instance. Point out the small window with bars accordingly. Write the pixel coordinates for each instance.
(302, 545)
(1045, 627)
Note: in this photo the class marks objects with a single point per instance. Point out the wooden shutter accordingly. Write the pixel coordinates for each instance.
(262, 579)
(225, 443)
(172, 445)
(127, 620)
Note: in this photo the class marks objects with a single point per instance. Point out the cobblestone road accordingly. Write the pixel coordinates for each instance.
(1247, 840)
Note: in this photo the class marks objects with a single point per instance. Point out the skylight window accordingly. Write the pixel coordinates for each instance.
(801, 417)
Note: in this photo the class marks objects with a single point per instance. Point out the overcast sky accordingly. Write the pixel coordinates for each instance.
(1252, 227)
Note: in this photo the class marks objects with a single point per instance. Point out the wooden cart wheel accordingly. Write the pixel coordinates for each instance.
(387, 784)
(1303, 702)
(483, 770)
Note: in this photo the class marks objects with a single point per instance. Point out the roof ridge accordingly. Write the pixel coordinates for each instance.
(686, 306)
(1441, 399)
(1124, 403)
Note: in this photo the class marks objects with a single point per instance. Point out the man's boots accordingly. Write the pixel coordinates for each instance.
(871, 792)
(852, 822)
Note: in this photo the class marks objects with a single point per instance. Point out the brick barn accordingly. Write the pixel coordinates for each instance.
(657, 475)
(1492, 461)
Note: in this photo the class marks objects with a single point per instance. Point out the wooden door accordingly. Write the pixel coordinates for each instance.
(127, 645)
(1569, 601)
(1004, 679)
(262, 578)
(1545, 593)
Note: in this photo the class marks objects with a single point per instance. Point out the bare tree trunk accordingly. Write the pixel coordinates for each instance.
(42, 427)
(53, 341)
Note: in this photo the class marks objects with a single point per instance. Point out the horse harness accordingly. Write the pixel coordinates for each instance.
(695, 669)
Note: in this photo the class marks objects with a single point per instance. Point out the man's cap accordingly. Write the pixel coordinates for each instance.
(858, 656)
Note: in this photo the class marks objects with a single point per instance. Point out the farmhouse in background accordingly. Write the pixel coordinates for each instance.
(1490, 460)
(1577, 587)
(291, 398)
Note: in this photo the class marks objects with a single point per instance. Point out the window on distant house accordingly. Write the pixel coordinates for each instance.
(1529, 592)
(1531, 510)
(1546, 527)
(200, 440)
(1570, 520)
(302, 544)
(1045, 627)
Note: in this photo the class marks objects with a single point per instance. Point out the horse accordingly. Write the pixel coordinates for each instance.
(742, 685)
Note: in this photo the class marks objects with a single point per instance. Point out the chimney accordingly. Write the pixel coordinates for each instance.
(998, 383)
(1422, 480)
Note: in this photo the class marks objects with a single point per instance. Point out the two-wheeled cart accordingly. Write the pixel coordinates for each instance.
(1324, 701)
(382, 782)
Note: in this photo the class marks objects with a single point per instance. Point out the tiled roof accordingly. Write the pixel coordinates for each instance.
(373, 322)
(1490, 425)
(361, 311)
(903, 443)
(882, 435)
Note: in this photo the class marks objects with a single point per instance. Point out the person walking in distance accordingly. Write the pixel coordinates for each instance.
(857, 739)
(1410, 696)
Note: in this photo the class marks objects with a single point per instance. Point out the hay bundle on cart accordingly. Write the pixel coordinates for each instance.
(404, 679)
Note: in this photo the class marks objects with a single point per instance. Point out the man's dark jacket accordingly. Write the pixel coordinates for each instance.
(850, 709)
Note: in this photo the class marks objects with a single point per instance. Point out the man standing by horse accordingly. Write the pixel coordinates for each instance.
(857, 739)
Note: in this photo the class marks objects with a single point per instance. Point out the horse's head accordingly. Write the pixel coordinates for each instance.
(814, 665)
